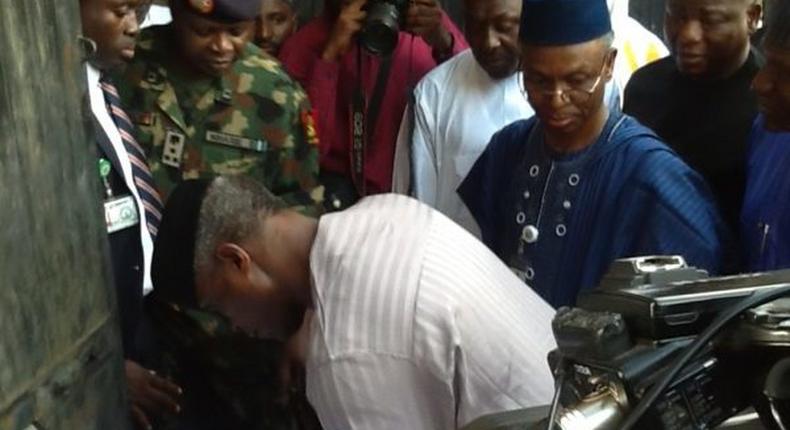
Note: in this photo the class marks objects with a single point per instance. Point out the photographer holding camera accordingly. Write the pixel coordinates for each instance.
(358, 62)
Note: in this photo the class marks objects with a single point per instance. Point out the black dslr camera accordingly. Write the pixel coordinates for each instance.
(661, 346)
(383, 22)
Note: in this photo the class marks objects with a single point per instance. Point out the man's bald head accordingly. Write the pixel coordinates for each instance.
(473, 3)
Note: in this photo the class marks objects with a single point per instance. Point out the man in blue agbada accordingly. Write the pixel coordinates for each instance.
(560, 196)
(765, 219)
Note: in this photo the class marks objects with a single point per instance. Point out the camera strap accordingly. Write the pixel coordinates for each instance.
(364, 114)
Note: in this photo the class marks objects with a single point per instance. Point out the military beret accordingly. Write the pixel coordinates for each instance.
(224, 10)
(563, 22)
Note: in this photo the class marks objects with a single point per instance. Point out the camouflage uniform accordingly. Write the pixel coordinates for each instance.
(254, 120)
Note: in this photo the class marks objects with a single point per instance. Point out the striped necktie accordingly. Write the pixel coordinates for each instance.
(143, 181)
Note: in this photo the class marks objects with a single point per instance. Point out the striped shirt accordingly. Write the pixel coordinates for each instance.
(417, 324)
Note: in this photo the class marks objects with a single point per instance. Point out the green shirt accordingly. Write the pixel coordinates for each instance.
(254, 120)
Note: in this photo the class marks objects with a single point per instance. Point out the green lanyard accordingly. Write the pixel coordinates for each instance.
(104, 174)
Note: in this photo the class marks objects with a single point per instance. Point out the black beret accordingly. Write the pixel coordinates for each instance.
(227, 11)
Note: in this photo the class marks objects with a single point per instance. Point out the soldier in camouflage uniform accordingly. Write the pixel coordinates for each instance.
(205, 102)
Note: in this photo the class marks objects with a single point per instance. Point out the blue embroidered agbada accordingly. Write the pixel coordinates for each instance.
(559, 221)
(765, 218)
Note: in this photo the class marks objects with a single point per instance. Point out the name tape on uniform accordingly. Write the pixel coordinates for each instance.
(257, 145)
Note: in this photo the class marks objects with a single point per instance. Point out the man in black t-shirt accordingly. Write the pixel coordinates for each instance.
(699, 100)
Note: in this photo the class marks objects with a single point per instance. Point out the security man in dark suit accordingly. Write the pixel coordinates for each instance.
(132, 205)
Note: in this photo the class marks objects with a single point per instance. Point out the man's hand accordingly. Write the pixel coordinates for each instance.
(348, 23)
(149, 394)
(424, 19)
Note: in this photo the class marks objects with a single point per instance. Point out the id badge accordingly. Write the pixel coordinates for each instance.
(120, 213)
(173, 149)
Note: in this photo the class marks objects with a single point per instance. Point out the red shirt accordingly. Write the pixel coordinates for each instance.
(331, 86)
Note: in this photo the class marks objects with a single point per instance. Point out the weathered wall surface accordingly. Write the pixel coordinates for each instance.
(60, 363)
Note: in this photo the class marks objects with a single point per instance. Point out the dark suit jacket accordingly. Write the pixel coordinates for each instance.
(126, 253)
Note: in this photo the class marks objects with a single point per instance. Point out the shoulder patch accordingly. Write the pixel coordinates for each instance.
(308, 122)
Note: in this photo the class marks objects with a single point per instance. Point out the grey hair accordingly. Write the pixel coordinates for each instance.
(777, 34)
(233, 209)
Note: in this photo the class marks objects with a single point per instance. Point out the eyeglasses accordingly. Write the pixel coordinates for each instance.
(575, 93)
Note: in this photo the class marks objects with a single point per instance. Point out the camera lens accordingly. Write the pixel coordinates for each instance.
(380, 32)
